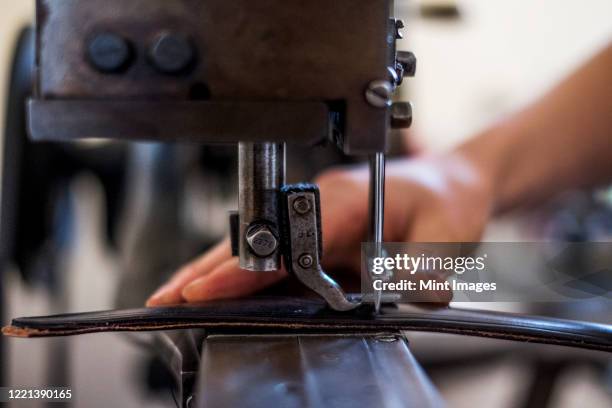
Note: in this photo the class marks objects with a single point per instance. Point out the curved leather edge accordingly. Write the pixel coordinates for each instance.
(290, 314)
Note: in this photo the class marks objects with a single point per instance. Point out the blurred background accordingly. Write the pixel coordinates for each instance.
(89, 237)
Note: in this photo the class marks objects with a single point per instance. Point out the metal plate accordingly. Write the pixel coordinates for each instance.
(198, 122)
(312, 371)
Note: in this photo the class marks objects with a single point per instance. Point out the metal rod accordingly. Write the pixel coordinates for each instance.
(260, 176)
(377, 208)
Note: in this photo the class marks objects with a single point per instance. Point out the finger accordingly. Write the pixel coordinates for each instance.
(170, 293)
(434, 229)
(229, 281)
(343, 214)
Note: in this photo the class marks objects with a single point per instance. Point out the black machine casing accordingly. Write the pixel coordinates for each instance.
(291, 71)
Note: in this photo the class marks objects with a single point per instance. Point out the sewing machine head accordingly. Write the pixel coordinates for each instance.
(256, 73)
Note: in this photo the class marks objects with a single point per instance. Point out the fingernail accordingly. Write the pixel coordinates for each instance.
(152, 301)
(194, 291)
(158, 296)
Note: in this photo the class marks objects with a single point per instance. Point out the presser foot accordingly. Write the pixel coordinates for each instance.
(302, 244)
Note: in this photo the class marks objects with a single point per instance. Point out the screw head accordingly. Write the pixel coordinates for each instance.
(109, 52)
(172, 53)
(305, 261)
(379, 93)
(261, 240)
(301, 205)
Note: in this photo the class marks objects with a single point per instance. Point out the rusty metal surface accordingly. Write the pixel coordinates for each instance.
(320, 370)
(265, 50)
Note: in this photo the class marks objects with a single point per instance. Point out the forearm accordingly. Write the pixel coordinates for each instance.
(563, 141)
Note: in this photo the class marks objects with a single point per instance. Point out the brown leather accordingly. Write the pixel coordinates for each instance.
(308, 315)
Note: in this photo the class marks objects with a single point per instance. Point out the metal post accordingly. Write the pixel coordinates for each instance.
(261, 175)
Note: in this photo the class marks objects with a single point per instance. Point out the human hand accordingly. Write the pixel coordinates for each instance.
(429, 199)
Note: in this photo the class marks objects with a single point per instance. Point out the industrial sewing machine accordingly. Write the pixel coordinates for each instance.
(259, 74)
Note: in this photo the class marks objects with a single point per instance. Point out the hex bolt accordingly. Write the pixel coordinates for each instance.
(408, 61)
(305, 261)
(261, 240)
(379, 93)
(109, 52)
(401, 115)
(301, 205)
(172, 53)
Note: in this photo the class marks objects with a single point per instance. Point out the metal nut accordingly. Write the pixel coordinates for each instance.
(261, 240)
(408, 62)
(401, 115)
(306, 261)
(301, 205)
(379, 93)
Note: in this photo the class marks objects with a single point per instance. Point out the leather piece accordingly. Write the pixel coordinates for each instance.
(311, 315)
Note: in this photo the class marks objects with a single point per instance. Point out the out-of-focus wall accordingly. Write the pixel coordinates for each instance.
(13, 15)
(500, 56)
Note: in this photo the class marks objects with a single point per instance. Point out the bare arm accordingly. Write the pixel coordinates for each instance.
(562, 141)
